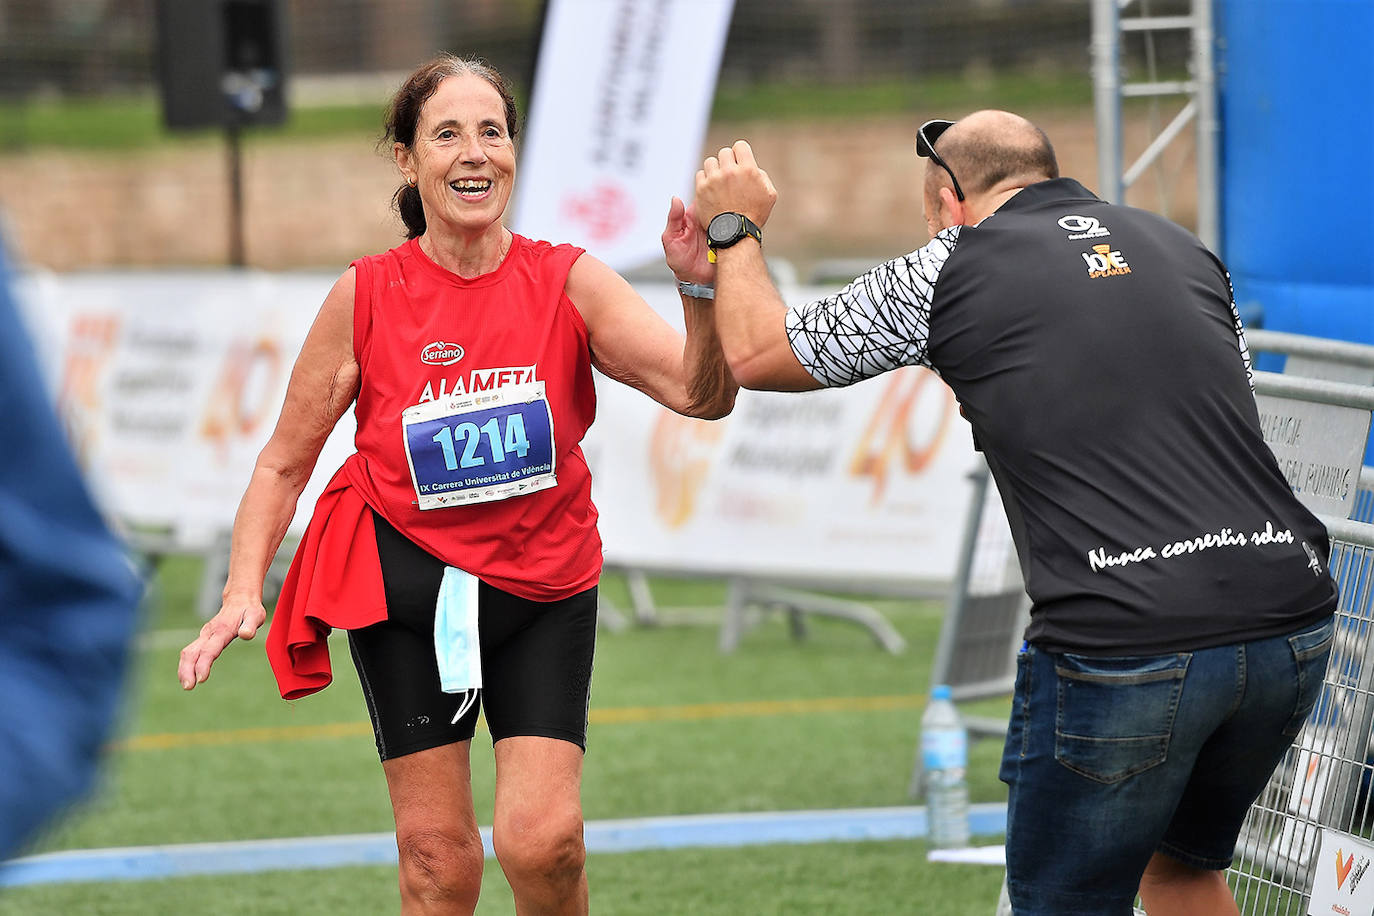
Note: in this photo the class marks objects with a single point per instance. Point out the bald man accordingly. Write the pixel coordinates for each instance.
(1182, 610)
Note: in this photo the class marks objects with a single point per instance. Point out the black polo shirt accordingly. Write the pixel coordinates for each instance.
(1097, 352)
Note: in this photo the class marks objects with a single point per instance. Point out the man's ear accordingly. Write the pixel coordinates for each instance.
(957, 209)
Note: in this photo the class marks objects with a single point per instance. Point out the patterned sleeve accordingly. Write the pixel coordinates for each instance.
(1240, 334)
(878, 322)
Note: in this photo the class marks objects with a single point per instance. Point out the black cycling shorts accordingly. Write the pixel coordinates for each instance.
(536, 659)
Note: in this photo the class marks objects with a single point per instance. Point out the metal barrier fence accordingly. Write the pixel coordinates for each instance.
(1323, 781)
(988, 608)
(1333, 360)
(986, 614)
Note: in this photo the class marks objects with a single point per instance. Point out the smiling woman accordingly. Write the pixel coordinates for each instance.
(458, 546)
(468, 166)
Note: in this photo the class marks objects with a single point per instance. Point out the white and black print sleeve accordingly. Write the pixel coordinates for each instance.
(1240, 334)
(878, 322)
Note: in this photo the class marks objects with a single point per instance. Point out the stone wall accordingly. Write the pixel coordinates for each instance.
(846, 189)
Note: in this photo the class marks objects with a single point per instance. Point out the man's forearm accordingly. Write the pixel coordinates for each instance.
(751, 320)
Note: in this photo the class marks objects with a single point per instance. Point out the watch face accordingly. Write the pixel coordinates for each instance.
(725, 228)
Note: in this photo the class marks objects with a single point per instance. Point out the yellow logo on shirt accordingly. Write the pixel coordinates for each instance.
(1104, 262)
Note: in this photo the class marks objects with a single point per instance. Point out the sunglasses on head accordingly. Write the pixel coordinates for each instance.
(926, 136)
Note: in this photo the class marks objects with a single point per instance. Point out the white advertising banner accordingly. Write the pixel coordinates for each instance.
(171, 383)
(622, 96)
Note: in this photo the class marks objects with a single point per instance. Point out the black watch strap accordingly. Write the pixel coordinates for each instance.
(751, 228)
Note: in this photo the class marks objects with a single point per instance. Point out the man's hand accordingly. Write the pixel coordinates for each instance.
(732, 182)
(684, 245)
(236, 618)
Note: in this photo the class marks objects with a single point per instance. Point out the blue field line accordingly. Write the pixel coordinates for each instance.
(140, 863)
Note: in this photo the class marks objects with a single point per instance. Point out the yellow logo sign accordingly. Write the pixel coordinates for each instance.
(1104, 262)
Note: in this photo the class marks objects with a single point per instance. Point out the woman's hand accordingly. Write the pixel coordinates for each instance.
(684, 245)
(237, 617)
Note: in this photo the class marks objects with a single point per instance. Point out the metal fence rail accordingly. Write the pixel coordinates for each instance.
(1320, 391)
(1317, 348)
(1314, 357)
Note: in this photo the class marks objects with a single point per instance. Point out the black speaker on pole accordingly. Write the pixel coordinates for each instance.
(221, 62)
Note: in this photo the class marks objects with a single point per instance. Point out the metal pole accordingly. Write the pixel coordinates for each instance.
(1208, 130)
(1106, 53)
(944, 646)
(236, 258)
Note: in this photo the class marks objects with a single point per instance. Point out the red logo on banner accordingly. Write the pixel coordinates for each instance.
(606, 211)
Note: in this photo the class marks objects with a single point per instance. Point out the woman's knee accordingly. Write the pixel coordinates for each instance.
(437, 864)
(545, 844)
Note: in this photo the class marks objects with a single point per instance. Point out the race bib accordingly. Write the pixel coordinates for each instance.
(480, 447)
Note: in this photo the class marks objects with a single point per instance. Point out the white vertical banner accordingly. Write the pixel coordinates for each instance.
(621, 99)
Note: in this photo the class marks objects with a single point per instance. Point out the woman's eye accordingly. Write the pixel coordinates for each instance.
(446, 134)
(492, 133)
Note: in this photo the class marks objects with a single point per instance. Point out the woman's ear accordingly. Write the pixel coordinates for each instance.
(402, 154)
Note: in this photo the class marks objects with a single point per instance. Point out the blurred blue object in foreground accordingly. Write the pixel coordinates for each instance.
(68, 599)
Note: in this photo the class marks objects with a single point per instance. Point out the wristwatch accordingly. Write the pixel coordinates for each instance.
(725, 229)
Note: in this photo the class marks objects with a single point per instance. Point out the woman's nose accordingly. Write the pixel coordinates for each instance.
(472, 150)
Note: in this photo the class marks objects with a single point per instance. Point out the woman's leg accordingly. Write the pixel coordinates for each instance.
(436, 830)
(538, 824)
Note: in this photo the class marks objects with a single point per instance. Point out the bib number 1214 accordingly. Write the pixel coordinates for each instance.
(480, 447)
(469, 437)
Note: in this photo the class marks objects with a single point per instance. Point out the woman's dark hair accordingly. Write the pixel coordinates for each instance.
(403, 119)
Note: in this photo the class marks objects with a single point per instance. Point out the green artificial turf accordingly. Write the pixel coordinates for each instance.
(827, 721)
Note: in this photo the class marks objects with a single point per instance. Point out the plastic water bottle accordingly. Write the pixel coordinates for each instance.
(944, 757)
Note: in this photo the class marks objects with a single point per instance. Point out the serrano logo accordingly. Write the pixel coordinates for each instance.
(441, 353)
(1104, 262)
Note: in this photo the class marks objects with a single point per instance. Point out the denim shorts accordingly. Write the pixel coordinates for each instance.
(1109, 760)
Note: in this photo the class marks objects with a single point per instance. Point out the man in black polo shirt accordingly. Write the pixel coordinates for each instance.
(1182, 609)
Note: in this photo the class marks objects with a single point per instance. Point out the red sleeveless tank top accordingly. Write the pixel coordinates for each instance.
(422, 334)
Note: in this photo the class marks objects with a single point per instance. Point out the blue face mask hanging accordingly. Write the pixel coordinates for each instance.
(456, 645)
